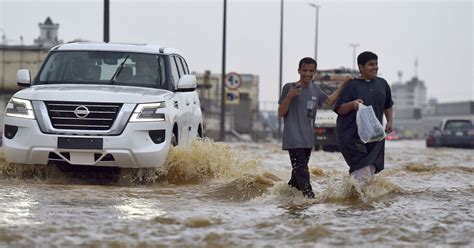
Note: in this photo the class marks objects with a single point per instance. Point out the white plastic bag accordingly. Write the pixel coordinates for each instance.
(368, 126)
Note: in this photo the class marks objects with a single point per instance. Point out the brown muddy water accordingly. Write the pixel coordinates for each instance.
(235, 194)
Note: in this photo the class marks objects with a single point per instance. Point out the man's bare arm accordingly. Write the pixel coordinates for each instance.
(347, 107)
(331, 99)
(283, 107)
(389, 115)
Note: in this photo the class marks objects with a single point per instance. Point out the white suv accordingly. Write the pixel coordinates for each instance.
(103, 104)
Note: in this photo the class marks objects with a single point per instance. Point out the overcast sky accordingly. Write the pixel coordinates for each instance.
(438, 33)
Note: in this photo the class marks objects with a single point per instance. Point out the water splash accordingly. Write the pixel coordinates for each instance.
(206, 160)
(348, 190)
(200, 221)
(202, 162)
(246, 187)
(317, 171)
(240, 177)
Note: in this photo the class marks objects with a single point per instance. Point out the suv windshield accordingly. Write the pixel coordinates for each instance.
(103, 67)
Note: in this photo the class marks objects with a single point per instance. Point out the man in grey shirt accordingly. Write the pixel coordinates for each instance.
(297, 106)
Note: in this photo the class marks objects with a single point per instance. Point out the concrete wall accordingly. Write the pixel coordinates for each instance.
(455, 108)
(18, 57)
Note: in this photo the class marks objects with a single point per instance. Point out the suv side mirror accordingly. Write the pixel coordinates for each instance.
(187, 83)
(23, 78)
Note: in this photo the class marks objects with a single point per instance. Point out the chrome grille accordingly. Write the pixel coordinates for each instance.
(82, 115)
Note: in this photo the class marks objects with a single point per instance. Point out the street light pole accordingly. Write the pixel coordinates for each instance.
(354, 46)
(281, 63)
(106, 21)
(316, 31)
(224, 31)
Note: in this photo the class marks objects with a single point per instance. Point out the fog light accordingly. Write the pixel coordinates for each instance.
(157, 136)
(10, 131)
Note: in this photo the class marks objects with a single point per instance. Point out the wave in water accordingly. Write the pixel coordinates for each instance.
(204, 161)
(238, 177)
(338, 189)
(421, 168)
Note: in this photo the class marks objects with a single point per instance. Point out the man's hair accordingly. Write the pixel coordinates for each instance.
(308, 61)
(364, 57)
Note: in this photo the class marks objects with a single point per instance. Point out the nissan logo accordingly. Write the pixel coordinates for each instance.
(81, 111)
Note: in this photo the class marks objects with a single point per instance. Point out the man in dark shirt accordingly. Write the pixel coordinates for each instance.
(364, 160)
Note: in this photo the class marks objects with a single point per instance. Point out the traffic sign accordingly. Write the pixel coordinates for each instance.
(232, 96)
(233, 80)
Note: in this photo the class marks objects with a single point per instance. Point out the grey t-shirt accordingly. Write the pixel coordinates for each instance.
(299, 120)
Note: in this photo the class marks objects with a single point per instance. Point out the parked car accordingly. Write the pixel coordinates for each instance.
(103, 104)
(452, 132)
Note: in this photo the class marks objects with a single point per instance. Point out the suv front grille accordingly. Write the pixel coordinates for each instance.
(82, 115)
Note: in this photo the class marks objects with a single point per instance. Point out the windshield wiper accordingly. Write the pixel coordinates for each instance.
(118, 71)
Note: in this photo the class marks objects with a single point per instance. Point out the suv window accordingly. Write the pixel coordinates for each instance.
(179, 66)
(185, 65)
(174, 70)
(99, 67)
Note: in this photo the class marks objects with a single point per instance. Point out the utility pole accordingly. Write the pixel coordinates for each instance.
(416, 67)
(281, 64)
(354, 46)
(21, 51)
(106, 21)
(222, 131)
(316, 30)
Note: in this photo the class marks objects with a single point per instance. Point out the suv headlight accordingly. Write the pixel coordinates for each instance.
(148, 112)
(20, 108)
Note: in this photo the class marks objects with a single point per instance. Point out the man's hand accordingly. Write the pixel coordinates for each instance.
(283, 107)
(348, 107)
(388, 127)
(389, 115)
(294, 91)
(355, 103)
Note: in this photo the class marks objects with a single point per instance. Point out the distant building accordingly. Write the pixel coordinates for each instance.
(431, 106)
(410, 99)
(48, 34)
(15, 57)
(455, 108)
(420, 127)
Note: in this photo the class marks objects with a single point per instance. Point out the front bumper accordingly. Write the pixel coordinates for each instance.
(133, 148)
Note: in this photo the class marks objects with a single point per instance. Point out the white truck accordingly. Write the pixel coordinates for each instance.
(325, 133)
(103, 104)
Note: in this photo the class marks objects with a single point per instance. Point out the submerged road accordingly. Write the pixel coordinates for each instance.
(236, 195)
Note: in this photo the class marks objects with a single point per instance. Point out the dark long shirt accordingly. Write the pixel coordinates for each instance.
(377, 93)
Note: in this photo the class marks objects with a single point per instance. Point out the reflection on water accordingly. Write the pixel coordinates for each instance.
(16, 207)
(236, 194)
(132, 206)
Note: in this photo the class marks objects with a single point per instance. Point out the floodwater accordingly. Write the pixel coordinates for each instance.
(235, 194)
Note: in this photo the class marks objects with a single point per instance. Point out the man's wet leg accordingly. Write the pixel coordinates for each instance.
(300, 173)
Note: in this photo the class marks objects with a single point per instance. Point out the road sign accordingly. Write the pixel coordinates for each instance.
(232, 96)
(233, 80)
